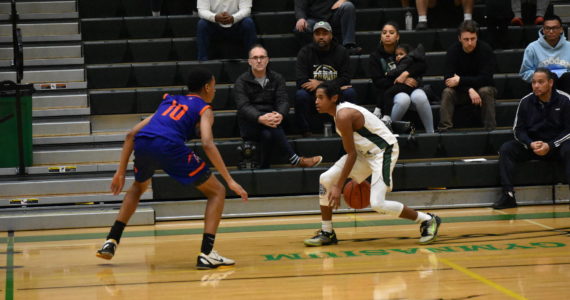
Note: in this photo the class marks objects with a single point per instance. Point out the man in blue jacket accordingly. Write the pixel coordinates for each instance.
(542, 131)
(551, 51)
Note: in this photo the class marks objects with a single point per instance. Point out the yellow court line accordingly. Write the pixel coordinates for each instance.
(481, 278)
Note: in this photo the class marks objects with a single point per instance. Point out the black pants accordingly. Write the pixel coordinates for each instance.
(563, 83)
(268, 138)
(513, 152)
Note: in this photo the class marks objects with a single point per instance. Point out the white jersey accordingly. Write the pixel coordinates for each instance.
(373, 134)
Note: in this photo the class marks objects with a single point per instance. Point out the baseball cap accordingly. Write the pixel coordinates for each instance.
(323, 25)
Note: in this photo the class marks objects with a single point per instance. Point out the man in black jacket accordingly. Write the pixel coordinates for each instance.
(340, 13)
(322, 60)
(262, 103)
(469, 67)
(542, 131)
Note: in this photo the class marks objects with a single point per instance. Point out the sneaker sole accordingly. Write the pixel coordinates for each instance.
(203, 267)
(434, 236)
(106, 256)
(309, 244)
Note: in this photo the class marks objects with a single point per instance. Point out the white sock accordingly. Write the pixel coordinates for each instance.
(467, 17)
(386, 118)
(422, 217)
(327, 226)
(377, 112)
(422, 18)
(156, 13)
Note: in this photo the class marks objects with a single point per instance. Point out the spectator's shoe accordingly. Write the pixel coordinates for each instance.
(428, 229)
(307, 134)
(517, 22)
(108, 249)
(212, 261)
(539, 20)
(377, 112)
(322, 238)
(507, 200)
(309, 162)
(421, 26)
(387, 121)
(354, 49)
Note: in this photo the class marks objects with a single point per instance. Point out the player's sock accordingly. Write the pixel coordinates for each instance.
(422, 217)
(117, 231)
(208, 243)
(422, 19)
(294, 160)
(467, 17)
(327, 226)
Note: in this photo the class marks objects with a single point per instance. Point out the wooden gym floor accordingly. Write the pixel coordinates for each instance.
(521, 253)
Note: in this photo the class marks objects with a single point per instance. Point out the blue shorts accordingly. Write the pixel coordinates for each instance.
(175, 159)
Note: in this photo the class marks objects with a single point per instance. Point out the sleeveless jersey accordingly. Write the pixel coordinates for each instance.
(176, 118)
(373, 134)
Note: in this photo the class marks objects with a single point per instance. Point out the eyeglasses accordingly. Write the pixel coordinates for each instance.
(258, 58)
(553, 28)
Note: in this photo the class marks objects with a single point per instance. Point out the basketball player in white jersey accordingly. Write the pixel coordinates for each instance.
(370, 149)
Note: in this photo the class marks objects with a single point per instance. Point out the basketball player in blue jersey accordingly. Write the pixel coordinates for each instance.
(371, 149)
(158, 143)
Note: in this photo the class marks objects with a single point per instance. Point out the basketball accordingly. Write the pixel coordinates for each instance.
(357, 195)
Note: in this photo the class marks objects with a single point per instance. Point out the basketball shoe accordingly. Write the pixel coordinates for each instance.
(322, 238)
(429, 229)
(212, 261)
(107, 251)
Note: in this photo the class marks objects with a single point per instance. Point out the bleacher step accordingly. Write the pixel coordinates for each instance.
(43, 52)
(61, 128)
(26, 219)
(36, 76)
(46, 101)
(78, 156)
(74, 111)
(39, 7)
(42, 29)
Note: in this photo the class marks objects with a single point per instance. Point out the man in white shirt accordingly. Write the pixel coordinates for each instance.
(226, 18)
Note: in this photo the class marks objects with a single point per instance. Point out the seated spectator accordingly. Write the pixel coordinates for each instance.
(340, 13)
(403, 96)
(322, 60)
(262, 103)
(224, 18)
(551, 51)
(468, 74)
(422, 7)
(541, 6)
(542, 131)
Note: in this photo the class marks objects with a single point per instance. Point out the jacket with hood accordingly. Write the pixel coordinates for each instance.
(540, 54)
(253, 100)
(417, 57)
(331, 65)
(383, 64)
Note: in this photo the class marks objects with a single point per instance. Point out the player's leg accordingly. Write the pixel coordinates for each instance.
(128, 207)
(213, 189)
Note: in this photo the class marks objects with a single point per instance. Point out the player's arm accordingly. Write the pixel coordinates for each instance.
(128, 146)
(207, 138)
(344, 123)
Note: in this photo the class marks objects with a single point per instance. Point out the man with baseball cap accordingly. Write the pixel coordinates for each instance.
(322, 60)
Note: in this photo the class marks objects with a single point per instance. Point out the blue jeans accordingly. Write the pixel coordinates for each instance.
(244, 30)
(305, 104)
(417, 101)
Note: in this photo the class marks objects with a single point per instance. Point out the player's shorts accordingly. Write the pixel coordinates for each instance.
(175, 159)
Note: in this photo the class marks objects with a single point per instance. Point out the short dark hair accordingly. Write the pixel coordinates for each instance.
(551, 75)
(406, 47)
(393, 24)
(197, 78)
(257, 46)
(552, 17)
(331, 90)
(468, 26)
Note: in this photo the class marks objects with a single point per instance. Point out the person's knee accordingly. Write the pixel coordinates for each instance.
(448, 95)
(402, 99)
(507, 148)
(487, 93)
(202, 25)
(302, 96)
(350, 95)
(347, 6)
(247, 24)
(387, 207)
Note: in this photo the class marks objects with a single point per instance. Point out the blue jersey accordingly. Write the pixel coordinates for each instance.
(176, 118)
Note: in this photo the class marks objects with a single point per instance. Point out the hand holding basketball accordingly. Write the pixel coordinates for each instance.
(357, 195)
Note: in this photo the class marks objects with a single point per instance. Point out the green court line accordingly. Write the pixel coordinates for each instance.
(9, 294)
(261, 228)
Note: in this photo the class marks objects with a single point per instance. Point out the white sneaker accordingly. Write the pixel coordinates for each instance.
(377, 112)
(212, 261)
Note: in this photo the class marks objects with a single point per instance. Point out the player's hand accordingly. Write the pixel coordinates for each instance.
(334, 197)
(452, 81)
(117, 183)
(234, 186)
(311, 85)
(301, 25)
(475, 98)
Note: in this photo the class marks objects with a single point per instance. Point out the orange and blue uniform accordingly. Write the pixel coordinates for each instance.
(161, 143)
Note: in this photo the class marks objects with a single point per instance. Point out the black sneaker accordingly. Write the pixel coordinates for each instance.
(506, 201)
(107, 251)
(429, 229)
(422, 26)
(322, 238)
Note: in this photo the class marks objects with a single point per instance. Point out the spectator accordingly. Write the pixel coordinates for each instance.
(322, 60)
(227, 18)
(262, 103)
(422, 7)
(340, 13)
(541, 6)
(551, 51)
(404, 96)
(542, 131)
(468, 74)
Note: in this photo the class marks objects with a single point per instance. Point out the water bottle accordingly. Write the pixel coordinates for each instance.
(327, 131)
(409, 20)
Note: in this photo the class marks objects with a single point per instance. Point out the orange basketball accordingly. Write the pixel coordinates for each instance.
(357, 195)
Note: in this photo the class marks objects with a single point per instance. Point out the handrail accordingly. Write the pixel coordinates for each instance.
(17, 45)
